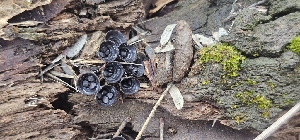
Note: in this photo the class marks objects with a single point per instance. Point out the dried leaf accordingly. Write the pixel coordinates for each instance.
(159, 4)
(150, 52)
(207, 41)
(144, 85)
(77, 46)
(150, 72)
(183, 50)
(177, 97)
(197, 41)
(167, 48)
(92, 45)
(165, 37)
(219, 33)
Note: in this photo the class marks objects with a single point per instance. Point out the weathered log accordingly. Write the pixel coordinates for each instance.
(30, 109)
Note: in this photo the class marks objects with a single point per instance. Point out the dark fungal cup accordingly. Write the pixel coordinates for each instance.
(127, 53)
(88, 83)
(106, 96)
(135, 69)
(112, 72)
(108, 51)
(116, 36)
(118, 138)
(129, 85)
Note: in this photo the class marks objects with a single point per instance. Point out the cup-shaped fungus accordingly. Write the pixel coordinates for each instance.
(129, 85)
(106, 96)
(88, 83)
(112, 72)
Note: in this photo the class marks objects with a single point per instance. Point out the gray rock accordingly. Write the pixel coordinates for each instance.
(270, 78)
(256, 35)
(283, 6)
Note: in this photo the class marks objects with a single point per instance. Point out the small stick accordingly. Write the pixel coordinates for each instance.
(133, 39)
(59, 74)
(258, 3)
(104, 135)
(131, 63)
(283, 119)
(152, 112)
(51, 66)
(60, 81)
(122, 127)
(161, 128)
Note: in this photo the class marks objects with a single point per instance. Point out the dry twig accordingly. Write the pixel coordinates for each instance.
(123, 124)
(283, 119)
(161, 128)
(152, 112)
(233, 13)
(99, 136)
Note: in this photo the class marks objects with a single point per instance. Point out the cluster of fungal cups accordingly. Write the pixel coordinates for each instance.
(122, 67)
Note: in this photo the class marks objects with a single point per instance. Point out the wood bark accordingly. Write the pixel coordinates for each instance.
(31, 109)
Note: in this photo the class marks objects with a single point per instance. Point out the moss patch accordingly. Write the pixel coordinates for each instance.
(226, 55)
(295, 45)
(247, 90)
(248, 98)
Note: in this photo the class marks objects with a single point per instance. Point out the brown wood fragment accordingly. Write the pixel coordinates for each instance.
(150, 73)
(16, 58)
(183, 50)
(14, 97)
(37, 124)
(164, 65)
(92, 45)
(12, 8)
(159, 4)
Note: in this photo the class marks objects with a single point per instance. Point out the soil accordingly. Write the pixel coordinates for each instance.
(34, 33)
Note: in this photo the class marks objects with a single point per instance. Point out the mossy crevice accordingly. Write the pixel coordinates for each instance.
(262, 104)
(294, 45)
(224, 54)
(249, 91)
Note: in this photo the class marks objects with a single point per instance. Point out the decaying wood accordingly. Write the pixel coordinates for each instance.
(118, 15)
(51, 33)
(15, 97)
(183, 50)
(12, 8)
(16, 58)
(37, 124)
(19, 120)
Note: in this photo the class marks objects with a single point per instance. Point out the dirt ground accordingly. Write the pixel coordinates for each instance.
(34, 33)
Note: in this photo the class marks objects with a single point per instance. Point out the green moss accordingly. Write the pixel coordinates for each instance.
(248, 98)
(270, 84)
(295, 45)
(250, 82)
(289, 102)
(205, 82)
(239, 118)
(233, 107)
(226, 55)
(261, 102)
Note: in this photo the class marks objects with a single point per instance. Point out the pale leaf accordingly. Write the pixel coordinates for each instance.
(74, 50)
(177, 97)
(167, 48)
(165, 37)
